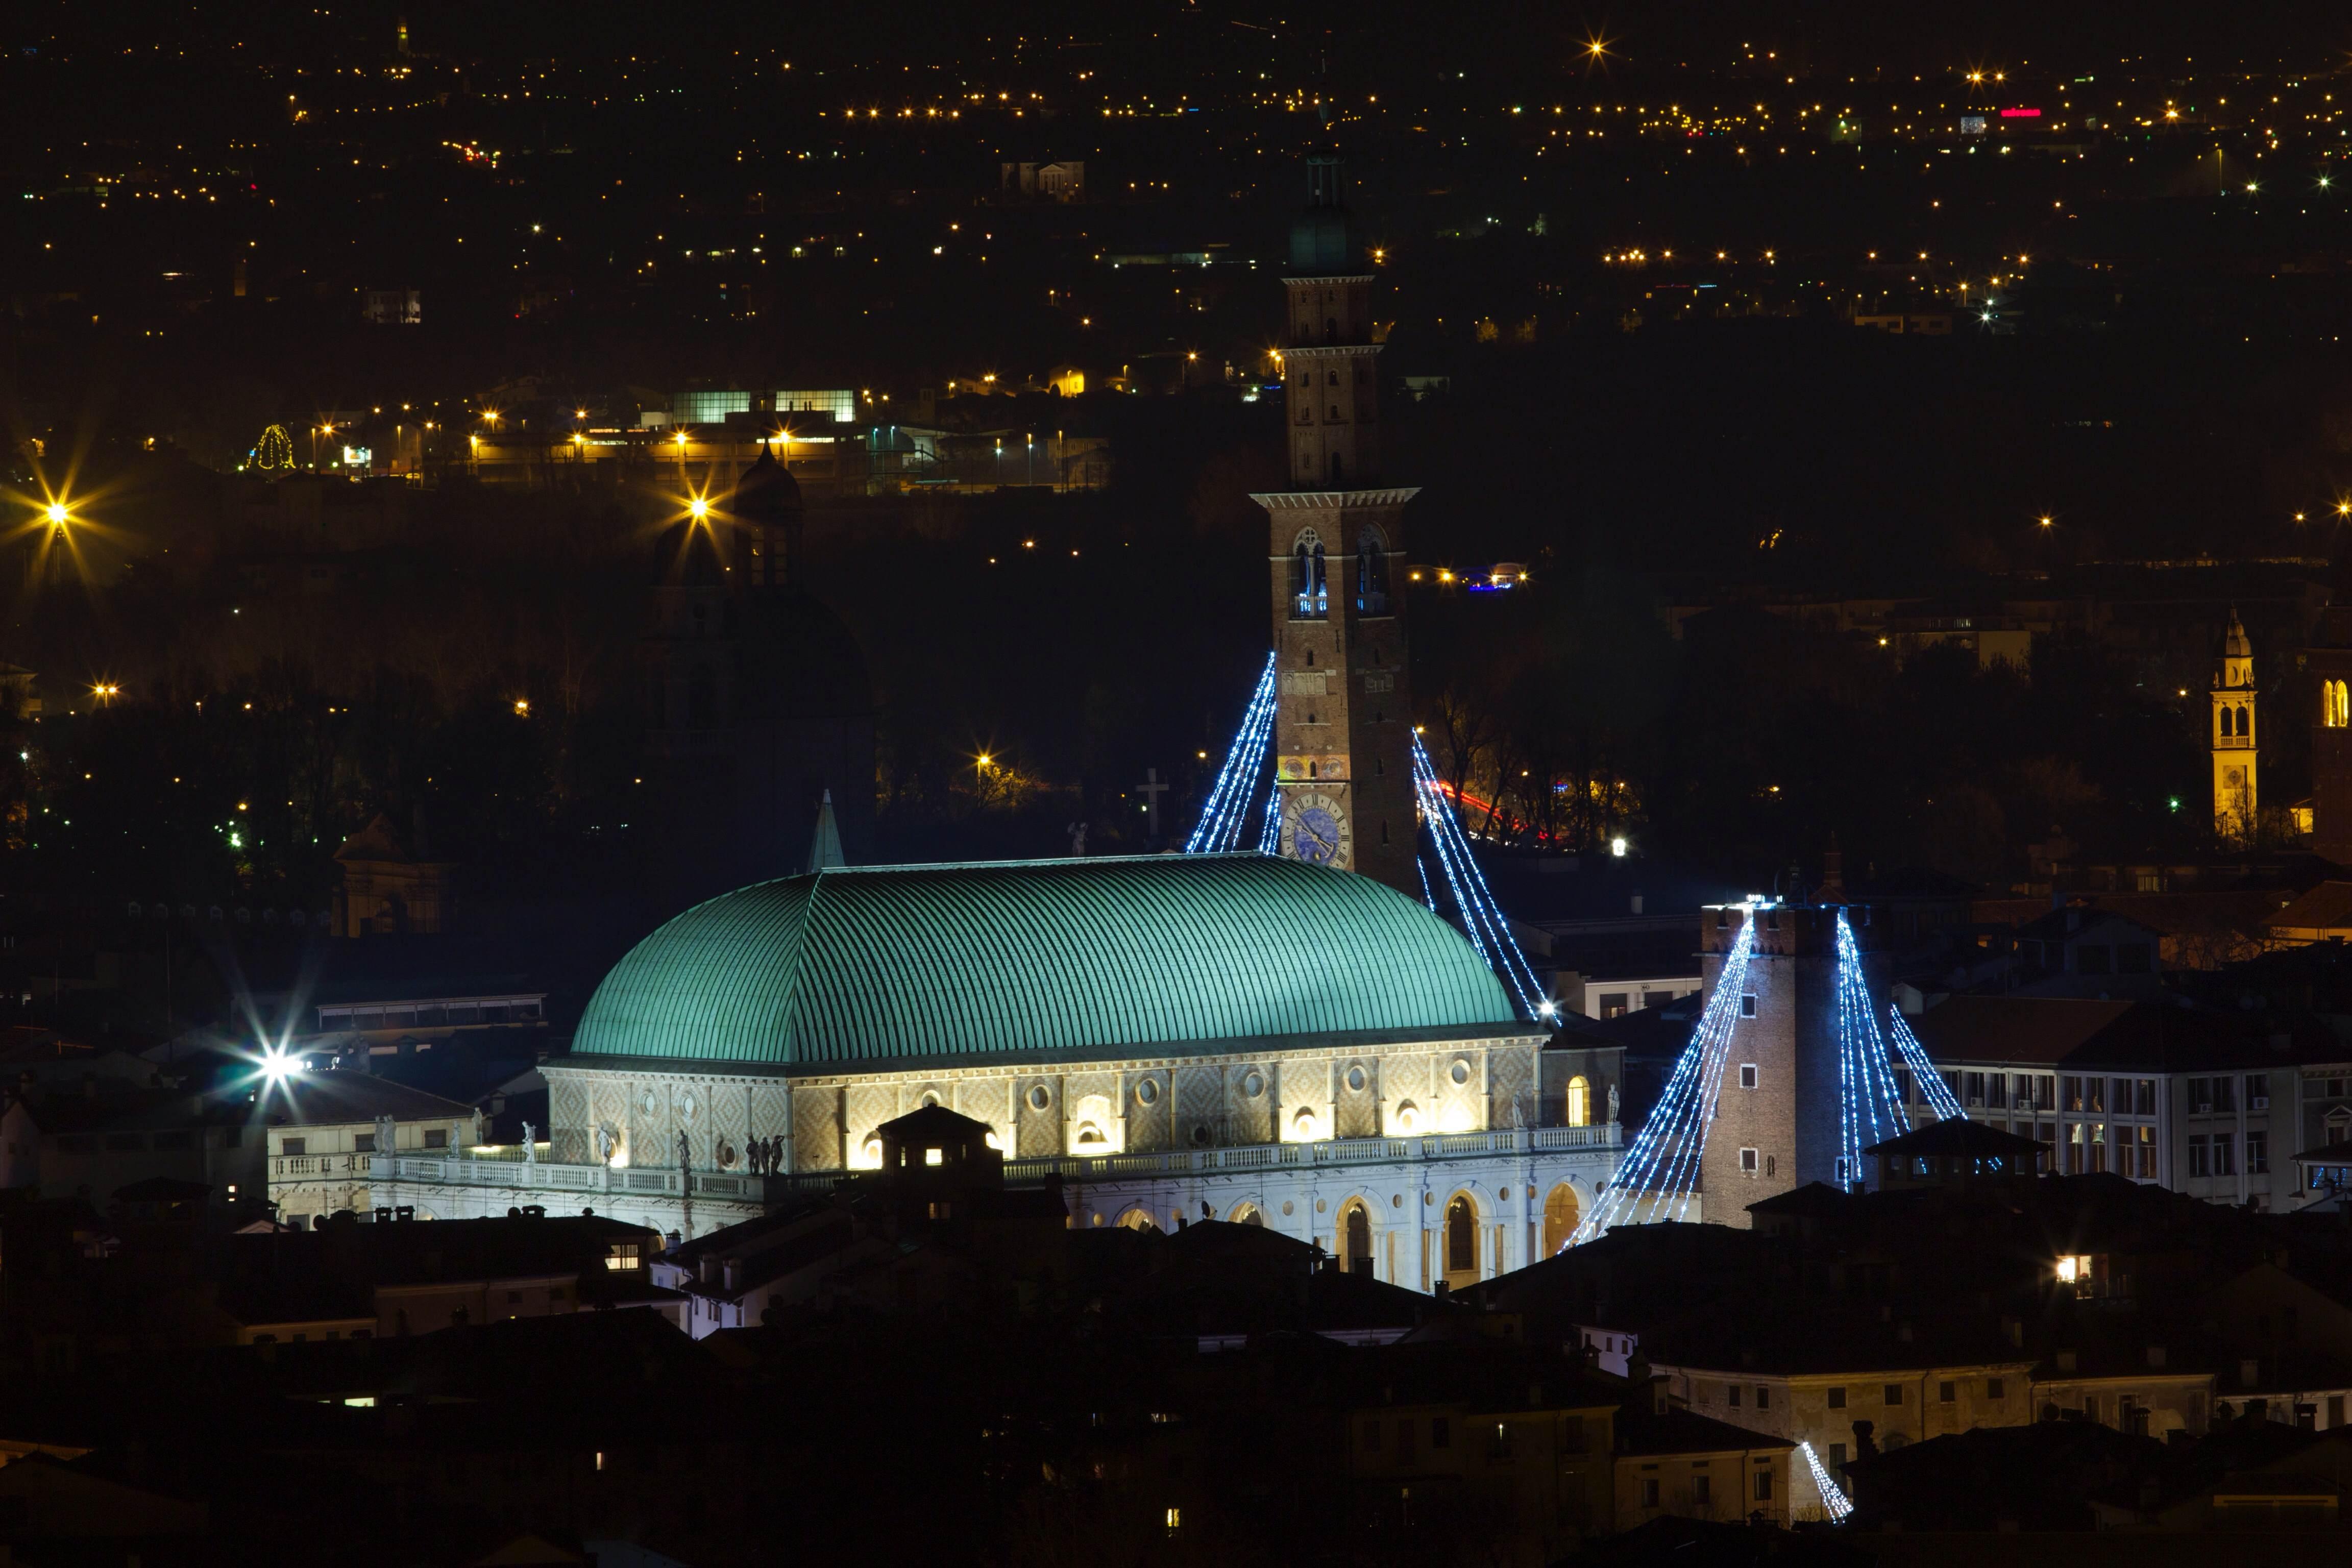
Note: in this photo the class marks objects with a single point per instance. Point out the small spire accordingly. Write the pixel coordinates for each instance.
(824, 844)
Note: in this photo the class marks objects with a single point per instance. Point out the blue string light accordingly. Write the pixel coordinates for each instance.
(1426, 896)
(1870, 1105)
(1662, 1167)
(1487, 927)
(1932, 1087)
(1220, 827)
(1269, 833)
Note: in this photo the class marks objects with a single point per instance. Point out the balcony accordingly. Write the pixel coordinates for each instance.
(667, 1182)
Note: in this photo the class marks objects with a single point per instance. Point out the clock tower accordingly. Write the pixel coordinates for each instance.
(1343, 715)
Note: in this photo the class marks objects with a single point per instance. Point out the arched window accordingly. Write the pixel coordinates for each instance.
(1371, 572)
(2228, 723)
(1247, 1213)
(2245, 722)
(1356, 1240)
(1461, 1237)
(2341, 704)
(2331, 704)
(1562, 1213)
(1138, 1220)
(1579, 1102)
(1335, 378)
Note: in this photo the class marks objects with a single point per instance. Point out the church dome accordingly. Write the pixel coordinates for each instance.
(766, 493)
(1215, 953)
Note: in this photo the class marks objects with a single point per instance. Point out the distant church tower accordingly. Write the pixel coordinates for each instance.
(1343, 717)
(2235, 753)
(759, 712)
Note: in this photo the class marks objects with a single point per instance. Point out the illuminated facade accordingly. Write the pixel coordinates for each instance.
(2236, 756)
(1241, 1037)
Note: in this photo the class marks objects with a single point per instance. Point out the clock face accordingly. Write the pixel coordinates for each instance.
(1316, 828)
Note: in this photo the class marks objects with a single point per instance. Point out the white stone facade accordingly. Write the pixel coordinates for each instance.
(1436, 1143)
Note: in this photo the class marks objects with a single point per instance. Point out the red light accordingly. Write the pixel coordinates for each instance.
(2021, 114)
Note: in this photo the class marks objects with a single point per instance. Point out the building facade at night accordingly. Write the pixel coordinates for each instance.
(1343, 715)
(1176, 1037)
(2236, 749)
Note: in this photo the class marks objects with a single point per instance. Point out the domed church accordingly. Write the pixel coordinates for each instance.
(1237, 1037)
(756, 701)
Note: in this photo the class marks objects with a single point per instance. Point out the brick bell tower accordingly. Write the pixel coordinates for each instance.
(1343, 715)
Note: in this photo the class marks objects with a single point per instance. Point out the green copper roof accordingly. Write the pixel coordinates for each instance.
(1020, 957)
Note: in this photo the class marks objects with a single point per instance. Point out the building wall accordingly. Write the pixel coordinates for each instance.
(2225, 1136)
(1343, 713)
(1717, 1486)
(1506, 1184)
(1528, 1484)
(335, 1172)
(1822, 1409)
(2169, 1402)
(1792, 1116)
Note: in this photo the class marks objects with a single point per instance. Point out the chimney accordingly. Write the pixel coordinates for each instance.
(734, 1274)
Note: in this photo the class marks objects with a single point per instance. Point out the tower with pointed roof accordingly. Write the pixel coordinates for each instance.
(2234, 739)
(1343, 716)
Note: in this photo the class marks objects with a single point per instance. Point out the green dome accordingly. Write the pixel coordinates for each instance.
(1018, 958)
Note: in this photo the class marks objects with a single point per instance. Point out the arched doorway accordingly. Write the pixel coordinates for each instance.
(1356, 1238)
(1246, 1213)
(1561, 1214)
(1461, 1242)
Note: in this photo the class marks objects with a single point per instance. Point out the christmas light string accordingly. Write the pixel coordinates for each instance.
(1662, 1167)
(1832, 1498)
(1269, 832)
(1681, 1178)
(1220, 827)
(1932, 1087)
(1427, 896)
(1870, 1100)
(1446, 829)
(1483, 920)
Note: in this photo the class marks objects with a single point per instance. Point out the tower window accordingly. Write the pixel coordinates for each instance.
(1335, 378)
(1384, 830)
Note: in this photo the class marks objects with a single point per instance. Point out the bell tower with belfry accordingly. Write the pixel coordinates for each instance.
(1343, 715)
(2236, 753)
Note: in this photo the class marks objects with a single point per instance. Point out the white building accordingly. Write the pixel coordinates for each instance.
(1241, 1036)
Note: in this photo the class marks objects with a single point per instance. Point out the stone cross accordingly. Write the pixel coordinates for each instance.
(1151, 788)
